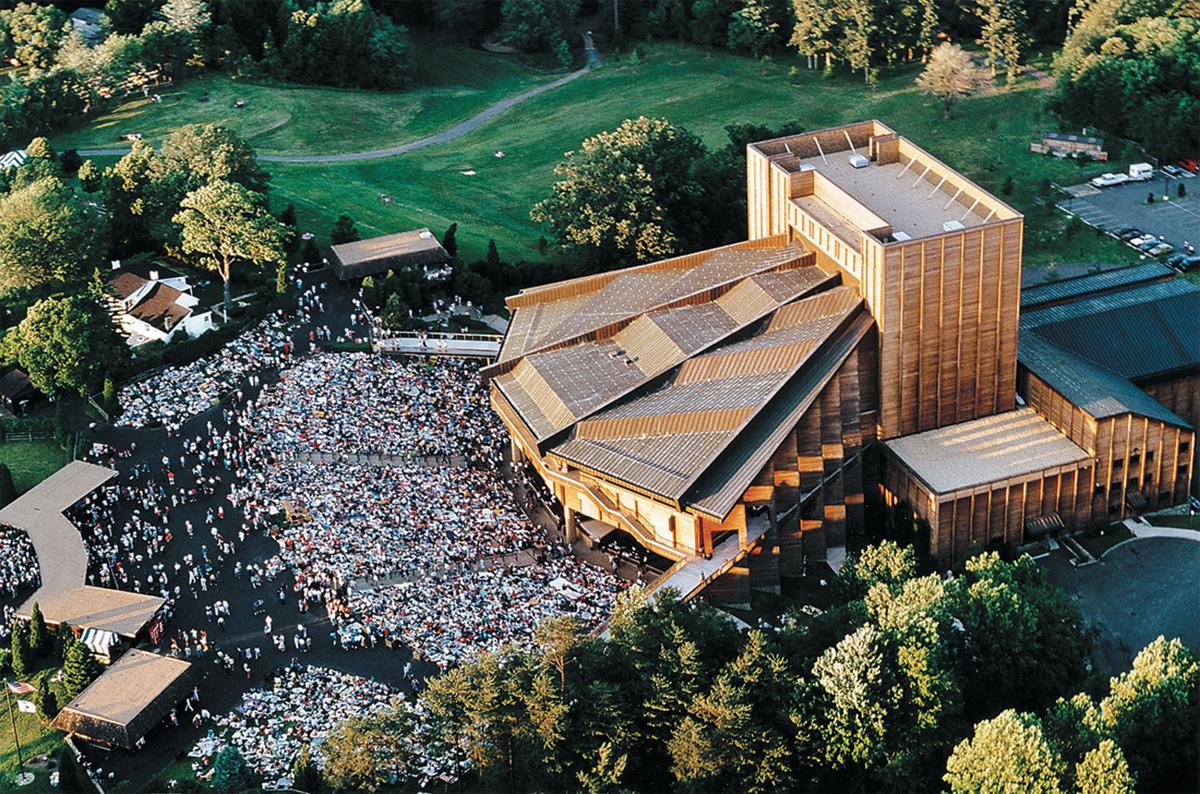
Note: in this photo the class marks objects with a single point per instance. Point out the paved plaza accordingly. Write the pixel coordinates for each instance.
(1139, 590)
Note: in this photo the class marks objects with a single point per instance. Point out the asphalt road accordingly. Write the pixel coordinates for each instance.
(1139, 590)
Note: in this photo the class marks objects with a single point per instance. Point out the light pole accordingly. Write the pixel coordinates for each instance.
(13, 719)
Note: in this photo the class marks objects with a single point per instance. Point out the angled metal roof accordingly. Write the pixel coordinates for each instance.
(554, 388)
(665, 440)
(1081, 286)
(1136, 333)
(1099, 392)
(723, 484)
(558, 313)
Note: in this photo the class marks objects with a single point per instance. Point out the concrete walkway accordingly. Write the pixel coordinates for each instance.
(445, 136)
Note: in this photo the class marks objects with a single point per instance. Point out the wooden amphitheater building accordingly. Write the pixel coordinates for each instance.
(747, 402)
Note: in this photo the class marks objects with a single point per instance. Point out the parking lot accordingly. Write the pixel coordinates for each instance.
(1110, 208)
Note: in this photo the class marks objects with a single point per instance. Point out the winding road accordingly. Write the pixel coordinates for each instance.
(593, 59)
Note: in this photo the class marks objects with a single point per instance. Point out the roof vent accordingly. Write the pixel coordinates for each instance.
(858, 161)
(953, 226)
(901, 237)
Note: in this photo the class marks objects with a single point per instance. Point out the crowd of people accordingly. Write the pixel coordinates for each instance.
(174, 395)
(19, 571)
(303, 706)
(446, 618)
(361, 403)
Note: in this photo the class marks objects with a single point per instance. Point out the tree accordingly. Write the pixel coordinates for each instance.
(225, 223)
(1006, 755)
(1003, 34)
(39, 639)
(190, 16)
(344, 231)
(629, 195)
(815, 31)
(68, 343)
(209, 153)
(753, 28)
(883, 563)
(40, 149)
(858, 26)
(951, 75)
(281, 277)
(45, 700)
(1153, 710)
(537, 25)
(130, 16)
(109, 397)
(1027, 642)
(80, 669)
(36, 31)
(230, 773)
(450, 241)
(1104, 771)
(493, 255)
(305, 776)
(8, 491)
(465, 19)
(343, 43)
(21, 660)
(369, 752)
(47, 237)
(142, 192)
(89, 176)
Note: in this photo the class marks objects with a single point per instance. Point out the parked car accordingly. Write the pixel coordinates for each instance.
(1162, 249)
(1173, 170)
(1137, 242)
(1122, 230)
(1129, 233)
(1146, 245)
(1190, 165)
(1108, 180)
(1190, 263)
(1176, 260)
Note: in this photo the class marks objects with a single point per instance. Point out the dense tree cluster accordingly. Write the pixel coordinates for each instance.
(647, 190)
(342, 43)
(878, 692)
(1132, 67)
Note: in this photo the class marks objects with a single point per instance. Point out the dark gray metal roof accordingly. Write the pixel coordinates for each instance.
(1099, 392)
(1081, 286)
(1135, 333)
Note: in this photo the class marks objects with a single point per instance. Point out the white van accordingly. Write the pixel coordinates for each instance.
(1140, 172)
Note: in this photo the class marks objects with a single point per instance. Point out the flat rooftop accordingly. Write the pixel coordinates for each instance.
(899, 193)
(131, 685)
(61, 554)
(898, 184)
(87, 607)
(990, 449)
(389, 246)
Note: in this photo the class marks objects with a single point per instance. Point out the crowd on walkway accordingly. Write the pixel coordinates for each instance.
(175, 394)
(303, 706)
(19, 570)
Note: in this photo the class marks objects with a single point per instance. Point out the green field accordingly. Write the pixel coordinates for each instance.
(700, 89)
(452, 82)
(36, 738)
(987, 139)
(31, 461)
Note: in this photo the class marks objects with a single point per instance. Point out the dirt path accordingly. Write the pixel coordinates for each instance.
(593, 59)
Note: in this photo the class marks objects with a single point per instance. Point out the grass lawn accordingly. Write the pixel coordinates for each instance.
(36, 738)
(452, 82)
(1098, 540)
(988, 139)
(1181, 521)
(31, 461)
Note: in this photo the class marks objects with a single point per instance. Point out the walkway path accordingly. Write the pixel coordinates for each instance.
(445, 136)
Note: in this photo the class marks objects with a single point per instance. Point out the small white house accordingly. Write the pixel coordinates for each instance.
(14, 159)
(153, 305)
